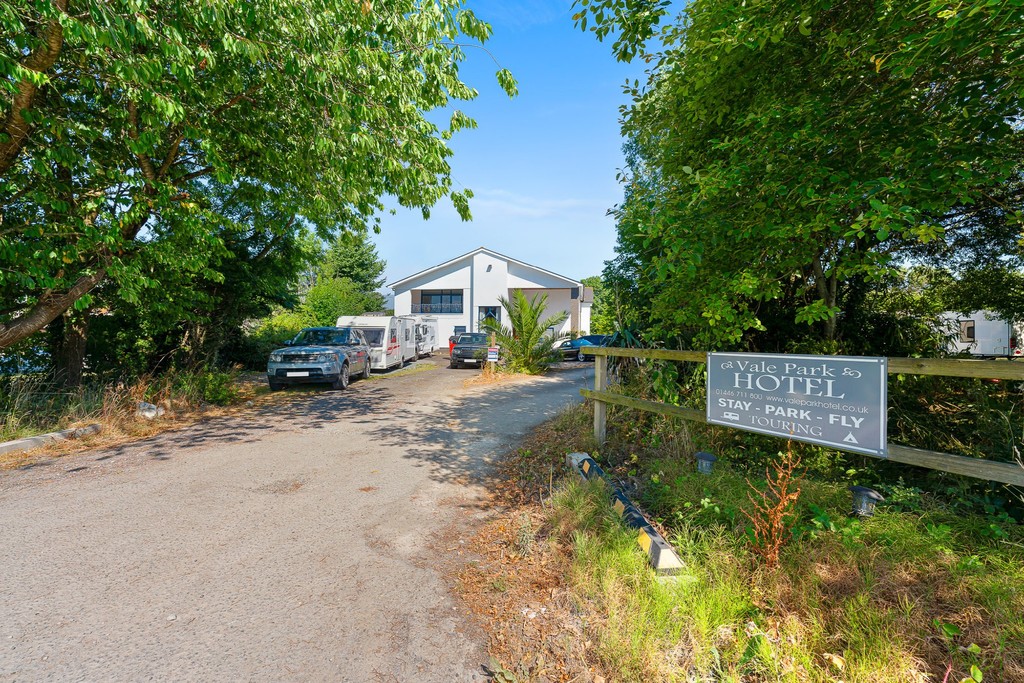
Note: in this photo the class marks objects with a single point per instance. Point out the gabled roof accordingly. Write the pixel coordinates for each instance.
(569, 281)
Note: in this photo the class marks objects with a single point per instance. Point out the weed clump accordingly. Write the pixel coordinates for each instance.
(772, 508)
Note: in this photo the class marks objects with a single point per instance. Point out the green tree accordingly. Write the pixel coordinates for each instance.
(787, 152)
(526, 345)
(330, 298)
(190, 308)
(116, 118)
(602, 311)
(354, 256)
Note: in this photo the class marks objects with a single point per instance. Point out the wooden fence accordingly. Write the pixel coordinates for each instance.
(1004, 472)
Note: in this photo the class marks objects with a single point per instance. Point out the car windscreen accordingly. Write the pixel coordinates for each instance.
(374, 335)
(474, 338)
(322, 337)
(353, 335)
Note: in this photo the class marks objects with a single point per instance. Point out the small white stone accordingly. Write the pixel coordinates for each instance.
(172, 617)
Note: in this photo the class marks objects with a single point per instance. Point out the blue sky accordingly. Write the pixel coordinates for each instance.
(543, 165)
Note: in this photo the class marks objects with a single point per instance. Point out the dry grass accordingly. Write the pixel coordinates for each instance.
(488, 376)
(522, 602)
(115, 412)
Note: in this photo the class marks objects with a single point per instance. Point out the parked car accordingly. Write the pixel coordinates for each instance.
(571, 348)
(320, 354)
(470, 349)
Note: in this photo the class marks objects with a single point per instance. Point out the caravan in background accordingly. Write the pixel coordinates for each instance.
(984, 334)
(392, 339)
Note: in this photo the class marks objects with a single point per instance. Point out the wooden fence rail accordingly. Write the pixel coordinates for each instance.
(1003, 472)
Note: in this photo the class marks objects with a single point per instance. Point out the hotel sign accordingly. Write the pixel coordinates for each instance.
(837, 401)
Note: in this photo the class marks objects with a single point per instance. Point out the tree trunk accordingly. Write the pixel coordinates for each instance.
(827, 287)
(53, 303)
(46, 310)
(16, 126)
(69, 361)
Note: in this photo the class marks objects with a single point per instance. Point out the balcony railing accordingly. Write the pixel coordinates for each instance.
(437, 308)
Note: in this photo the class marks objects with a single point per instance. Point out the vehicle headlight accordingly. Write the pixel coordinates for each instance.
(324, 358)
(276, 358)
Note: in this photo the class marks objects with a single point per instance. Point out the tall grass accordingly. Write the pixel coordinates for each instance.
(925, 586)
(32, 404)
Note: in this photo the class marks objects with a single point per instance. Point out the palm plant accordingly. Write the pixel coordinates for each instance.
(526, 345)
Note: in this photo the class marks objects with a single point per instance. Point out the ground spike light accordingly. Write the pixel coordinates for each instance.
(705, 462)
(864, 501)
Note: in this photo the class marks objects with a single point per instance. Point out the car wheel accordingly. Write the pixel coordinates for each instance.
(366, 369)
(580, 356)
(276, 386)
(453, 364)
(342, 381)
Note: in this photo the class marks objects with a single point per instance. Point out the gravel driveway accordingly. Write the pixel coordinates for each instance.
(298, 542)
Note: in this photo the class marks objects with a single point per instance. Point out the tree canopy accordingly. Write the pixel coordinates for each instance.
(784, 154)
(130, 130)
(354, 256)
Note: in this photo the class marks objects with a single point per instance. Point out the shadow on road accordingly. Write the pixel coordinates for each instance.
(457, 436)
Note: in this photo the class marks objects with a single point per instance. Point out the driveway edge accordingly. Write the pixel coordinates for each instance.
(41, 440)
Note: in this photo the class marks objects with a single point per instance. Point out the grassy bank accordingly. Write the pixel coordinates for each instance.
(922, 591)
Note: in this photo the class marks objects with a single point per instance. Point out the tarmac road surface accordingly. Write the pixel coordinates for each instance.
(293, 543)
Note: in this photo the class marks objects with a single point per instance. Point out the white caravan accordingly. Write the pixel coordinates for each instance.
(984, 334)
(426, 335)
(407, 338)
(391, 339)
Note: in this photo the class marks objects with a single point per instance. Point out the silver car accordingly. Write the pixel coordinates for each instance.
(320, 354)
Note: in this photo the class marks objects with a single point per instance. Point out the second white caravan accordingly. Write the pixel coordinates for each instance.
(426, 335)
(985, 335)
(392, 339)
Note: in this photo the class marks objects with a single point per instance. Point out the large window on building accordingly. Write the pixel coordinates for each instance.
(439, 301)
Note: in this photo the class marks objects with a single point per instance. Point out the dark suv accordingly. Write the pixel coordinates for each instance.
(470, 349)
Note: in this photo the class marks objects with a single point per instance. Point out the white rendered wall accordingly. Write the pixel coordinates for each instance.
(403, 302)
(521, 277)
(558, 300)
(484, 278)
(490, 281)
(585, 318)
(454, 276)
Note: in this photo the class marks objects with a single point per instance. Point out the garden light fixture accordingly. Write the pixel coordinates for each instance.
(705, 462)
(864, 501)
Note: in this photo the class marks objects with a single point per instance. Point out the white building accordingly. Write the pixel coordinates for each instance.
(464, 291)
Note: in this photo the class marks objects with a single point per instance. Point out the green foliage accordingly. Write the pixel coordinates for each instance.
(526, 345)
(783, 153)
(324, 303)
(318, 106)
(330, 298)
(861, 600)
(34, 404)
(602, 310)
(200, 386)
(354, 257)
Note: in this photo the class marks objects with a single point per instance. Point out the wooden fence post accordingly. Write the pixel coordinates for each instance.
(600, 407)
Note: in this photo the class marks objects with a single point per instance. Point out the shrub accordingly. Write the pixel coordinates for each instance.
(526, 345)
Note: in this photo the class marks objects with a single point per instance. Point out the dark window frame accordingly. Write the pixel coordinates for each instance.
(968, 332)
(441, 301)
